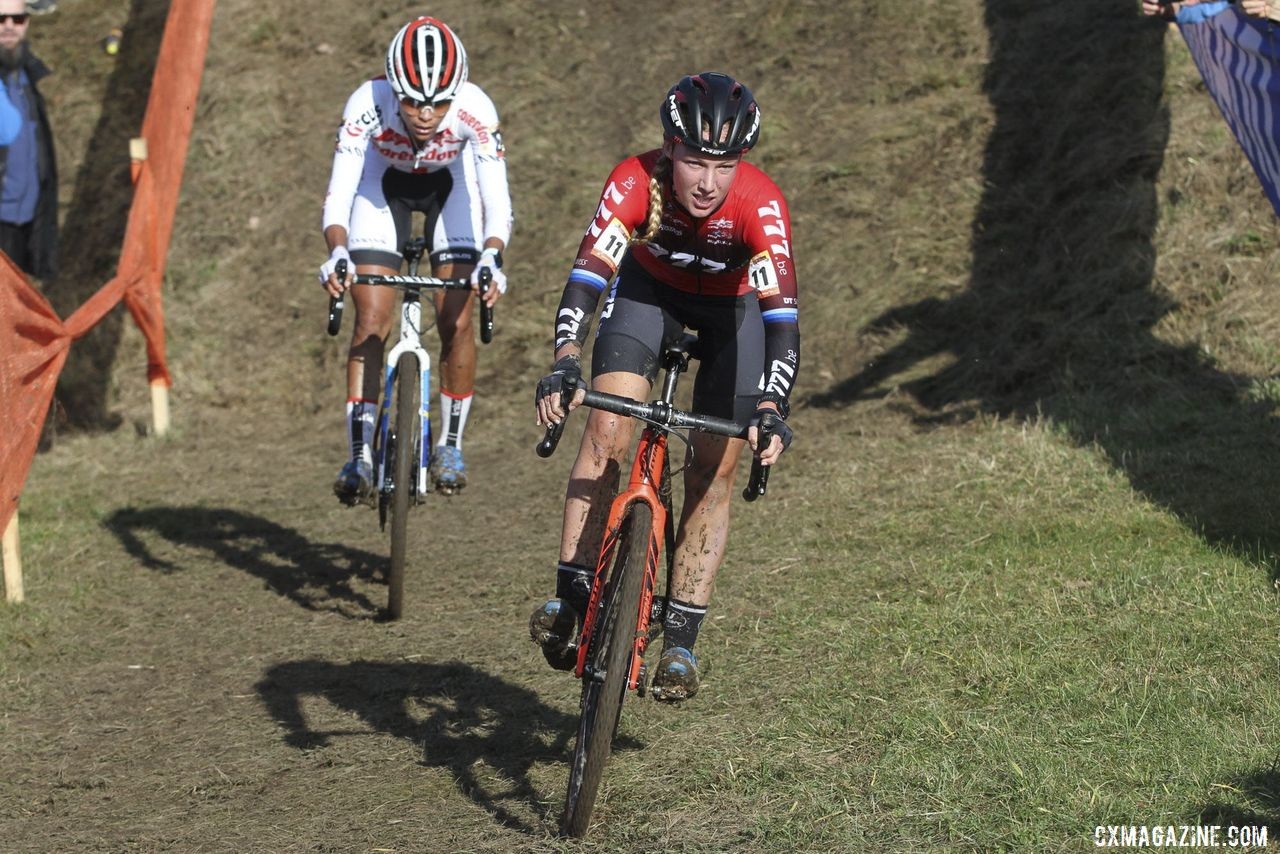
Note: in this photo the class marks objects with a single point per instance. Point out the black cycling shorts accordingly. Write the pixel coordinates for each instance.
(447, 227)
(642, 315)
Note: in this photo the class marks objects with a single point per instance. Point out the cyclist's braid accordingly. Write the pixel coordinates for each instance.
(661, 170)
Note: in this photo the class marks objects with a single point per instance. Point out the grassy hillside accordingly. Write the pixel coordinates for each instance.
(1015, 579)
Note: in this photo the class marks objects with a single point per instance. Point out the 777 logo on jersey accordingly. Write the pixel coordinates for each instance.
(762, 275)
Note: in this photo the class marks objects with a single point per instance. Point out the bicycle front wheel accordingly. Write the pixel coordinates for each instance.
(609, 658)
(403, 464)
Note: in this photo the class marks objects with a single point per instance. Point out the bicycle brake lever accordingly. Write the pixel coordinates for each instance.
(758, 483)
(336, 304)
(551, 438)
(486, 310)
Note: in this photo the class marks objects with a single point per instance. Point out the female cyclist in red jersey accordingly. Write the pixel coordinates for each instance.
(691, 236)
(419, 138)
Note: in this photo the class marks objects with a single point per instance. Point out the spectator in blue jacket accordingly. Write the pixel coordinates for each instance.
(28, 165)
(10, 119)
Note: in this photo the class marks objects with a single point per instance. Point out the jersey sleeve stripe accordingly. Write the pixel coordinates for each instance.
(781, 315)
(591, 280)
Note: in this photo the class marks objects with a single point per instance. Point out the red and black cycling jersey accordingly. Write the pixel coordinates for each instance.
(744, 246)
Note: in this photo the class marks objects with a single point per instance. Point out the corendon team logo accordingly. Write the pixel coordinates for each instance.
(482, 130)
(396, 146)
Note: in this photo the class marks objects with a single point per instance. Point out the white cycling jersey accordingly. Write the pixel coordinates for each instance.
(372, 139)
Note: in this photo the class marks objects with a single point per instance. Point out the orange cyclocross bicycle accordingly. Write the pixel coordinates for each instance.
(623, 604)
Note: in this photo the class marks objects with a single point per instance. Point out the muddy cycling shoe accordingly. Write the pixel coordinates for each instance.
(554, 627)
(448, 471)
(677, 676)
(354, 484)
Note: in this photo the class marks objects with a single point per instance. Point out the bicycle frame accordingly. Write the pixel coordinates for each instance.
(650, 460)
(649, 474)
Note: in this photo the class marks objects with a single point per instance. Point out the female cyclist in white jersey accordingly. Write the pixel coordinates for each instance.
(419, 138)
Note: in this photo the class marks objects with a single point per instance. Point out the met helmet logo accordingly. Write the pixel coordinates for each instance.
(674, 109)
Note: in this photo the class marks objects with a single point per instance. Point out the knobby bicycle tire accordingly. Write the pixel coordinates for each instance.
(404, 462)
(611, 646)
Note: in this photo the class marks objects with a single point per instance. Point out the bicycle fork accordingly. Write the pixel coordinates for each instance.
(410, 342)
(650, 458)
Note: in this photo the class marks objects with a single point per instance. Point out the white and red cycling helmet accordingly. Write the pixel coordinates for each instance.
(426, 62)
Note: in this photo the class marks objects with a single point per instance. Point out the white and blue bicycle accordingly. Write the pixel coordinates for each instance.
(402, 443)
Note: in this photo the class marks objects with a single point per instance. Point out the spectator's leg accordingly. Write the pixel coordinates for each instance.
(14, 240)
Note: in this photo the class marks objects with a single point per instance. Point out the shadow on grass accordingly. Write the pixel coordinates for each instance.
(318, 576)
(92, 234)
(1058, 319)
(1259, 794)
(468, 722)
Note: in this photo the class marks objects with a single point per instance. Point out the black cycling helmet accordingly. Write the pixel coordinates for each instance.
(721, 104)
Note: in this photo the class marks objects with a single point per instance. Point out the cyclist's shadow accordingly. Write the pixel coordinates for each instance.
(468, 722)
(317, 576)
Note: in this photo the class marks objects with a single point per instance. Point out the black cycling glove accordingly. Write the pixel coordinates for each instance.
(776, 426)
(564, 380)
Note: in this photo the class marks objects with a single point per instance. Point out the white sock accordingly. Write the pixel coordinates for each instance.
(453, 418)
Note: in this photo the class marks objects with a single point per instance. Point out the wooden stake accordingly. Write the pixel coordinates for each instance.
(137, 155)
(160, 407)
(12, 562)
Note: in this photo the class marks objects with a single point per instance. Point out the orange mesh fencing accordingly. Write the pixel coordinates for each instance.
(33, 340)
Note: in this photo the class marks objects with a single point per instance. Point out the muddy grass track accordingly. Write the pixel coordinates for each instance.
(240, 688)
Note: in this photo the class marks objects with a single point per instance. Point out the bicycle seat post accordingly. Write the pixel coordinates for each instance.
(413, 253)
(675, 361)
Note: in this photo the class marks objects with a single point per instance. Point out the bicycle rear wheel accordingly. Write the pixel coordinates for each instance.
(605, 685)
(403, 463)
